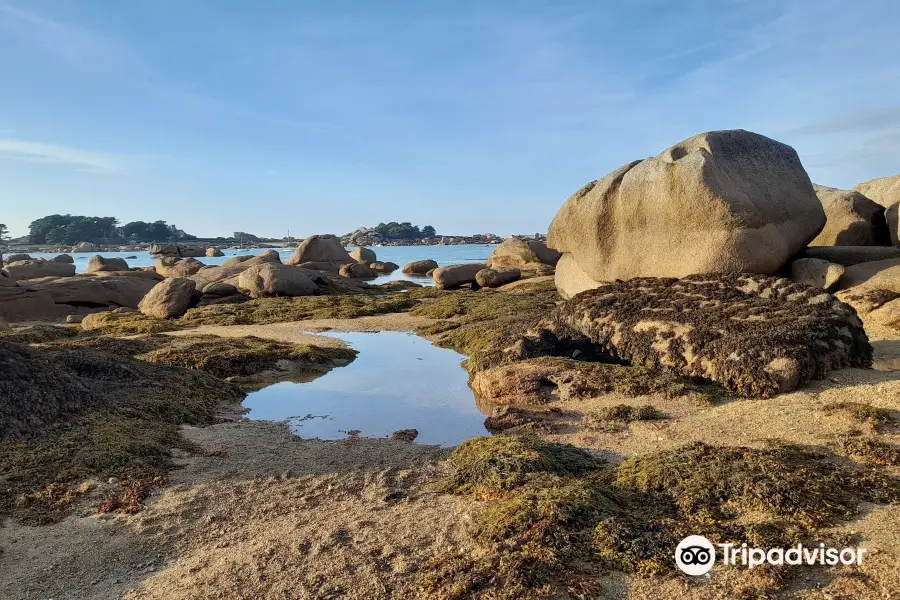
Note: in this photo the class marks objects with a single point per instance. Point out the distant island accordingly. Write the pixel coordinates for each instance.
(60, 231)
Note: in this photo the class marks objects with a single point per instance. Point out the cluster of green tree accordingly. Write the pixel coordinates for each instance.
(72, 229)
(246, 237)
(4, 234)
(404, 231)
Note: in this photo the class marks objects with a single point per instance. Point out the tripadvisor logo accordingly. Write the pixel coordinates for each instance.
(696, 555)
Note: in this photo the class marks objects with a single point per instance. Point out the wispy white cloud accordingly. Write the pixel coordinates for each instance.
(76, 46)
(54, 154)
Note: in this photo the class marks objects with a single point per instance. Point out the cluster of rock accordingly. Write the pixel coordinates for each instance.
(512, 260)
(724, 202)
(41, 289)
(181, 250)
(366, 236)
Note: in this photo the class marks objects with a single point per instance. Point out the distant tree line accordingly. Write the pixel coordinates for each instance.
(72, 229)
(404, 231)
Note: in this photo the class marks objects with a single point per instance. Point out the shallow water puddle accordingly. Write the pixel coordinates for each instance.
(398, 381)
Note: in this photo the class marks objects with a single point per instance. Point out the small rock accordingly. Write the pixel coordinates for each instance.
(405, 435)
(74, 318)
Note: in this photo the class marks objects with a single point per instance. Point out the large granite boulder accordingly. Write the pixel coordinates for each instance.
(168, 298)
(98, 263)
(754, 334)
(17, 258)
(172, 266)
(322, 249)
(63, 258)
(275, 279)
(514, 252)
(363, 256)
(163, 249)
(454, 276)
(816, 272)
(36, 268)
(852, 219)
(229, 270)
(492, 278)
(357, 271)
(19, 303)
(884, 190)
(420, 267)
(384, 267)
(92, 291)
(214, 252)
(723, 201)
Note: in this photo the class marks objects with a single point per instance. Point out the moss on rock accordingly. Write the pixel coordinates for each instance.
(110, 323)
(754, 334)
(230, 357)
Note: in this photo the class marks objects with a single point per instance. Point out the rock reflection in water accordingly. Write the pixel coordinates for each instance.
(398, 381)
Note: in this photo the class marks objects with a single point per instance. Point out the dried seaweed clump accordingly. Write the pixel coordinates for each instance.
(67, 414)
(754, 334)
(231, 357)
(548, 534)
(38, 334)
(487, 465)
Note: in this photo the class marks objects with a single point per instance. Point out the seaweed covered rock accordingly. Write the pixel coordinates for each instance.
(754, 334)
(550, 378)
(723, 201)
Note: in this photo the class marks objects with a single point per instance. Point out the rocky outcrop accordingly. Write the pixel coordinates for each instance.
(17, 258)
(171, 266)
(91, 291)
(214, 253)
(98, 263)
(363, 256)
(64, 258)
(754, 334)
(816, 273)
(851, 255)
(275, 279)
(420, 267)
(36, 268)
(365, 236)
(384, 267)
(514, 252)
(173, 250)
(169, 298)
(19, 303)
(84, 247)
(357, 271)
(231, 268)
(321, 249)
(878, 274)
(492, 278)
(884, 190)
(723, 201)
(852, 219)
(454, 276)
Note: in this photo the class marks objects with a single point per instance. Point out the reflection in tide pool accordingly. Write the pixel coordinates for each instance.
(398, 381)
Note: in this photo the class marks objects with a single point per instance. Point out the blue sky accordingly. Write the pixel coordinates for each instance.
(224, 115)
